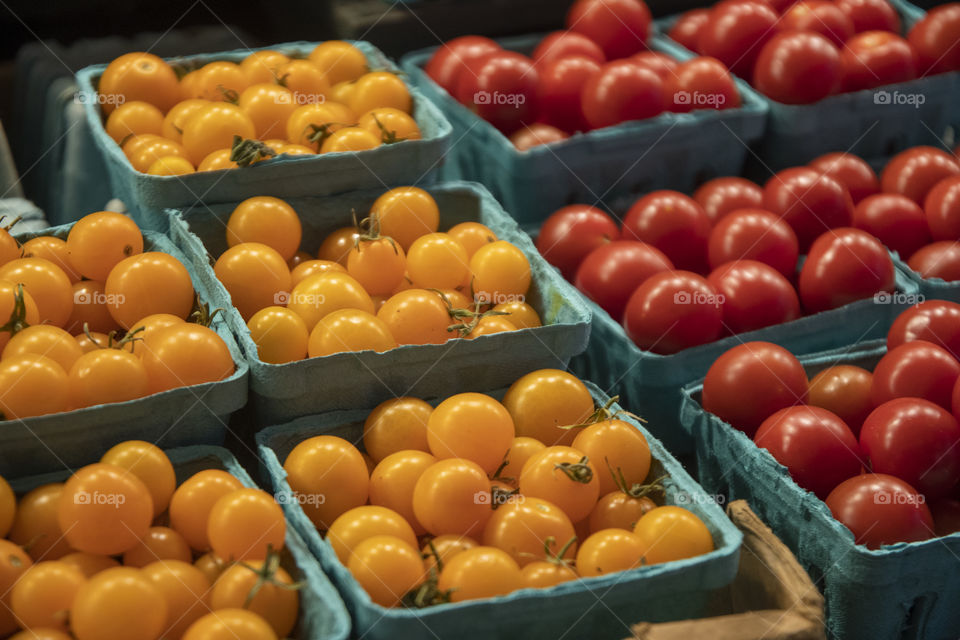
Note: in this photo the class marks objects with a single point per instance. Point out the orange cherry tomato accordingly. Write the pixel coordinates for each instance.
(336, 246)
(36, 523)
(148, 154)
(186, 354)
(277, 605)
(177, 117)
(543, 401)
(387, 568)
(100, 241)
(170, 166)
(146, 327)
(211, 566)
(44, 340)
(217, 160)
(609, 551)
(214, 127)
(340, 61)
(160, 543)
(350, 139)
(184, 588)
(378, 265)
(521, 449)
(398, 424)
(310, 124)
(280, 335)
(390, 125)
(417, 316)
(379, 89)
(615, 446)
(501, 273)
(8, 303)
(118, 603)
(245, 524)
(481, 572)
(437, 261)
(452, 496)
(393, 480)
(309, 267)
(138, 76)
(105, 376)
(134, 118)
(361, 523)
(349, 330)
(46, 283)
(269, 107)
(520, 314)
(324, 293)
(230, 624)
(89, 564)
(543, 574)
(472, 426)
(472, 235)
(219, 81)
(306, 81)
(405, 214)
(266, 220)
(90, 309)
(255, 275)
(192, 501)
(52, 249)
(525, 526)
(14, 562)
(444, 547)
(146, 284)
(261, 66)
(342, 486)
(672, 533)
(617, 510)
(32, 385)
(149, 463)
(490, 325)
(563, 476)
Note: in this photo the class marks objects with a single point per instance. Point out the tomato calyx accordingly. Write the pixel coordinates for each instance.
(229, 95)
(499, 495)
(203, 316)
(369, 231)
(469, 318)
(428, 593)
(387, 136)
(551, 557)
(246, 152)
(112, 342)
(577, 471)
(18, 317)
(495, 476)
(636, 490)
(320, 132)
(267, 575)
(603, 414)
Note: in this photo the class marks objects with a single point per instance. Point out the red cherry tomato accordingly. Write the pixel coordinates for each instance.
(450, 59)
(766, 373)
(875, 58)
(611, 272)
(850, 171)
(686, 30)
(754, 234)
(937, 260)
(916, 171)
(621, 91)
(673, 223)
(720, 196)
(895, 220)
(660, 63)
(755, 295)
(502, 88)
(936, 321)
(571, 232)
(917, 369)
(942, 209)
(536, 134)
(735, 32)
(620, 27)
(845, 390)
(916, 441)
(561, 84)
(797, 67)
(566, 44)
(815, 445)
(819, 16)
(672, 311)
(809, 202)
(880, 509)
(843, 266)
(701, 83)
(934, 38)
(870, 15)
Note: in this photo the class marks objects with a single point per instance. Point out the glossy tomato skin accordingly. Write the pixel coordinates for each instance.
(797, 67)
(895, 220)
(844, 390)
(754, 234)
(942, 209)
(622, 91)
(936, 321)
(875, 58)
(561, 84)
(844, 265)
(814, 444)
(566, 44)
(870, 15)
(720, 196)
(686, 30)
(808, 201)
(660, 63)
(450, 59)
(502, 88)
(735, 32)
(934, 39)
(916, 441)
(850, 171)
(914, 172)
(535, 135)
(937, 260)
(672, 311)
(819, 16)
(673, 223)
(880, 509)
(755, 295)
(916, 369)
(768, 374)
(611, 272)
(571, 232)
(701, 83)
(620, 27)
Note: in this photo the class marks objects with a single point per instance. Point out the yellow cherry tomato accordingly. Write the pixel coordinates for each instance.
(134, 118)
(340, 61)
(350, 139)
(268, 106)
(170, 166)
(349, 330)
(280, 335)
(177, 117)
(398, 424)
(261, 66)
(380, 89)
(405, 214)
(390, 125)
(213, 127)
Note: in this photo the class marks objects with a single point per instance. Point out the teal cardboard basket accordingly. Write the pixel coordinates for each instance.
(189, 415)
(602, 607)
(613, 165)
(905, 590)
(147, 196)
(650, 384)
(358, 380)
(323, 615)
(873, 124)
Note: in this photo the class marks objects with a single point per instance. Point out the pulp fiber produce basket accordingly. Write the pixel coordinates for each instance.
(873, 123)
(651, 383)
(905, 590)
(601, 607)
(613, 165)
(287, 176)
(189, 415)
(364, 379)
(323, 615)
